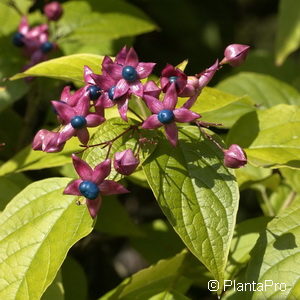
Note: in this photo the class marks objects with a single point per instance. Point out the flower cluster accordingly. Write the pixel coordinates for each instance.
(122, 78)
(35, 41)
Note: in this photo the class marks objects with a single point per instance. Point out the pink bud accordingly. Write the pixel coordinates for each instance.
(53, 10)
(234, 157)
(235, 54)
(125, 162)
(47, 141)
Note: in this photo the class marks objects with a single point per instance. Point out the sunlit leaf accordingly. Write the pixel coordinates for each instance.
(270, 137)
(65, 67)
(38, 227)
(93, 25)
(198, 195)
(264, 90)
(274, 256)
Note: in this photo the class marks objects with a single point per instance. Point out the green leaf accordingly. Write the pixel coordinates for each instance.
(9, 19)
(38, 227)
(292, 178)
(28, 159)
(55, 290)
(243, 241)
(167, 295)
(74, 280)
(270, 137)
(23, 5)
(264, 90)
(229, 114)
(159, 241)
(249, 174)
(220, 107)
(275, 256)
(262, 61)
(110, 130)
(112, 210)
(211, 99)
(65, 67)
(274, 195)
(165, 276)
(288, 34)
(90, 24)
(10, 185)
(198, 195)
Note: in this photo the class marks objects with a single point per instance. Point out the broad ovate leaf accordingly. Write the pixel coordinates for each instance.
(65, 67)
(249, 174)
(220, 107)
(243, 241)
(95, 25)
(38, 227)
(211, 99)
(264, 90)
(8, 19)
(276, 256)
(29, 159)
(166, 276)
(288, 34)
(270, 137)
(198, 195)
(292, 178)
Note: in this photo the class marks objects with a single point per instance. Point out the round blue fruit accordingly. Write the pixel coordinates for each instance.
(78, 122)
(166, 116)
(94, 92)
(129, 73)
(17, 39)
(111, 93)
(89, 189)
(46, 47)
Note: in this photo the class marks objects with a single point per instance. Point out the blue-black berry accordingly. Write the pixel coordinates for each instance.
(129, 73)
(94, 92)
(111, 93)
(78, 122)
(17, 39)
(47, 47)
(166, 116)
(89, 189)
